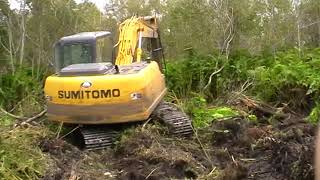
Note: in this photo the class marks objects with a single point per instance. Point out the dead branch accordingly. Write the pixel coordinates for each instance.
(25, 120)
(144, 124)
(59, 130)
(262, 107)
(151, 172)
(245, 86)
(42, 113)
(229, 118)
(210, 78)
(212, 171)
(12, 115)
(70, 132)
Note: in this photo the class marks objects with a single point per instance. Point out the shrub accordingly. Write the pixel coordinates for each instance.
(203, 115)
(314, 115)
(15, 87)
(288, 78)
(191, 73)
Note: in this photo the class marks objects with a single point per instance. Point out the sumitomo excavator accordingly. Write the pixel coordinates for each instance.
(94, 89)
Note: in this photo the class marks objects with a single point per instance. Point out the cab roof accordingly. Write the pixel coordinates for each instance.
(84, 37)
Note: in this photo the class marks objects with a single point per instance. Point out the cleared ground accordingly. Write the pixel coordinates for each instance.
(231, 148)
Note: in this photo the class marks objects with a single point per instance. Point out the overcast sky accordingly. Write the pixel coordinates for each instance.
(14, 4)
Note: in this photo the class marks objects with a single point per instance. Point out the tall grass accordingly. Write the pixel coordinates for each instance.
(20, 155)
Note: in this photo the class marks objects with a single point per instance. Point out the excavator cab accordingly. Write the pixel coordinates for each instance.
(84, 48)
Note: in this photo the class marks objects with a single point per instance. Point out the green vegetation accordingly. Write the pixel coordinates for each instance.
(314, 115)
(191, 73)
(18, 86)
(287, 77)
(6, 121)
(203, 115)
(21, 157)
(287, 71)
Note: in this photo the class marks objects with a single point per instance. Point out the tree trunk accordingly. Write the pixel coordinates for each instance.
(23, 30)
(10, 45)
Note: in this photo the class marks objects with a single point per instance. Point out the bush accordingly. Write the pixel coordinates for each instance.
(289, 78)
(203, 115)
(272, 76)
(22, 84)
(286, 77)
(314, 115)
(191, 73)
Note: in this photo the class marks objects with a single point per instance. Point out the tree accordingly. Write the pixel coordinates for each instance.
(123, 9)
(50, 20)
(6, 41)
(310, 11)
(4, 8)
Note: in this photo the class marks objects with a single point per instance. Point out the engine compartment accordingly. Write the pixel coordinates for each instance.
(92, 69)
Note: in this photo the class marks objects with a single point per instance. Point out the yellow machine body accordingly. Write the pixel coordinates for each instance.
(130, 95)
(95, 89)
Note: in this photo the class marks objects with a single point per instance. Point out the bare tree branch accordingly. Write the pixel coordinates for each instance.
(42, 113)
(230, 37)
(210, 78)
(12, 115)
(5, 48)
(26, 120)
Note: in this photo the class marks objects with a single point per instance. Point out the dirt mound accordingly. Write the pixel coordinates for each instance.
(149, 156)
(64, 155)
(233, 148)
(292, 151)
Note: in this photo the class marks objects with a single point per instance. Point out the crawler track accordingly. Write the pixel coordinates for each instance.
(178, 122)
(98, 137)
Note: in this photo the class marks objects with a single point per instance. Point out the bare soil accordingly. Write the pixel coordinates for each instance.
(230, 149)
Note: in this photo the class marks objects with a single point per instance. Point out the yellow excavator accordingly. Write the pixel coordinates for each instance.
(95, 90)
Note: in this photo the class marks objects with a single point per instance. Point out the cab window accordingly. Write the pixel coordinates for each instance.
(73, 54)
(104, 48)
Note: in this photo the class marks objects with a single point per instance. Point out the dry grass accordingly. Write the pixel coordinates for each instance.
(20, 156)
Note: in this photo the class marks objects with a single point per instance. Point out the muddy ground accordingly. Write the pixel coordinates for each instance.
(232, 148)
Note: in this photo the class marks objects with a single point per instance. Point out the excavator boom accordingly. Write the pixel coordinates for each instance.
(131, 31)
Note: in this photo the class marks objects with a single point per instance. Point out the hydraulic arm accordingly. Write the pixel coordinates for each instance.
(132, 31)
